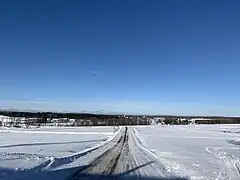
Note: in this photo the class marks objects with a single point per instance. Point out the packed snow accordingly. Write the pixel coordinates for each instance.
(198, 152)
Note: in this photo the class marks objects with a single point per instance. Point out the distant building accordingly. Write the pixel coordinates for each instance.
(5, 120)
(199, 120)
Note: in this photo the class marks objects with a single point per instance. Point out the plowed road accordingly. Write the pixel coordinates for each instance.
(111, 162)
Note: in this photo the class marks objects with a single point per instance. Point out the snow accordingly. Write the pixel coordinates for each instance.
(61, 130)
(29, 148)
(198, 152)
(61, 167)
(151, 165)
(227, 128)
(194, 151)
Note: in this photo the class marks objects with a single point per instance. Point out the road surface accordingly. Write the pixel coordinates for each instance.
(121, 162)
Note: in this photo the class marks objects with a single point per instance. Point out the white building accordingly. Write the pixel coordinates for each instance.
(5, 120)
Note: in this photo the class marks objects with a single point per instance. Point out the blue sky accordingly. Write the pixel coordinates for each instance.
(142, 57)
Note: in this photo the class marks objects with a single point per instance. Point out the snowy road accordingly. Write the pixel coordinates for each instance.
(121, 156)
(140, 152)
(126, 159)
(107, 163)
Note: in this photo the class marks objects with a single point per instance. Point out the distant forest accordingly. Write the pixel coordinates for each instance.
(96, 119)
(101, 119)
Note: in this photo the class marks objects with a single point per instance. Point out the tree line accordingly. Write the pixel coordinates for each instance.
(38, 118)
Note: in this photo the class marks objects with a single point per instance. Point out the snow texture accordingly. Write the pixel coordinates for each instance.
(198, 152)
(22, 149)
(192, 151)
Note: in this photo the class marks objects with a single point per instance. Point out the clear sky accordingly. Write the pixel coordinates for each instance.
(144, 57)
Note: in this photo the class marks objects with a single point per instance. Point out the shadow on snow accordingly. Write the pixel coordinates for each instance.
(75, 174)
(40, 144)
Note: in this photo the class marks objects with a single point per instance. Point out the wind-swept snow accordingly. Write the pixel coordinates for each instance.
(196, 152)
(57, 167)
(24, 148)
(199, 152)
(141, 155)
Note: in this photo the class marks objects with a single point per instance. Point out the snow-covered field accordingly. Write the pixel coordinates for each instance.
(28, 148)
(193, 151)
(199, 152)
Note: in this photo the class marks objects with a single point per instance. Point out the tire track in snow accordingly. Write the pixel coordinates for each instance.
(159, 167)
(227, 162)
(59, 161)
(50, 163)
(106, 163)
(234, 159)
